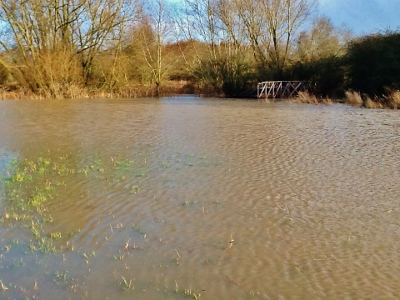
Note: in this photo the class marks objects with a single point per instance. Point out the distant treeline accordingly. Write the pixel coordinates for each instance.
(129, 48)
(370, 65)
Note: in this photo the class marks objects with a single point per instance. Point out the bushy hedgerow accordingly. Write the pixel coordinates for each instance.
(373, 63)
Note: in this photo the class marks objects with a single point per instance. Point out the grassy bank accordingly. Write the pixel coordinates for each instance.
(389, 101)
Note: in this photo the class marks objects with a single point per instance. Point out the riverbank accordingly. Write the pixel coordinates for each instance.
(15, 92)
(389, 101)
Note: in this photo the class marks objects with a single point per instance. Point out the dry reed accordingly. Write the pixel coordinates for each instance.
(393, 100)
(353, 98)
(327, 101)
(305, 97)
(369, 103)
(9, 92)
(77, 91)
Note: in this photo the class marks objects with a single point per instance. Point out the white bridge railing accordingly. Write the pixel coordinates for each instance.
(278, 89)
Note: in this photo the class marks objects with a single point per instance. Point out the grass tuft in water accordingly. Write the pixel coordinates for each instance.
(30, 185)
(61, 277)
(3, 287)
(187, 292)
(126, 284)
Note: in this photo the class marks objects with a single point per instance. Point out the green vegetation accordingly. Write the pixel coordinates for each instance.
(48, 251)
(187, 292)
(23, 189)
(60, 277)
(32, 184)
(365, 74)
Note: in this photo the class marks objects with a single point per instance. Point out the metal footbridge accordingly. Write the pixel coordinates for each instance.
(278, 89)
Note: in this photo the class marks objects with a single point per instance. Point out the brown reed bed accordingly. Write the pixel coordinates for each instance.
(369, 103)
(307, 98)
(393, 100)
(353, 98)
(14, 92)
(72, 91)
(389, 101)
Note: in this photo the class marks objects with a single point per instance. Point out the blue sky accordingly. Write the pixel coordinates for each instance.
(363, 16)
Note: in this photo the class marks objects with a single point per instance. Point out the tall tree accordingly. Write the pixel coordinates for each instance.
(38, 33)
(271, 28)
(233, 28)
(200, 22)
(157, 29)
(221, 62)
(323, 40)
(318, 58)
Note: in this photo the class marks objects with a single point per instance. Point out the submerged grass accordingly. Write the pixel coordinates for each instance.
(126, 284)
(3, 287)
(27, 189)
(31, 187)
(187, 292)
(31, 184)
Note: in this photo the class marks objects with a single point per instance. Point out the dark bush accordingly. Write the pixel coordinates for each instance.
(326, 76)
(374, 63)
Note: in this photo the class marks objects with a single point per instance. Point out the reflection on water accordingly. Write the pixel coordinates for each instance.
(189, 197)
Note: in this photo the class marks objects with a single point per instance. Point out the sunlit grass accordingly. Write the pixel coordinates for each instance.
(391, 100)
(353, 99)
(308, 98)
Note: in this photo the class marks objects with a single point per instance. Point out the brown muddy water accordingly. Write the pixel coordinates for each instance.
(183, 198)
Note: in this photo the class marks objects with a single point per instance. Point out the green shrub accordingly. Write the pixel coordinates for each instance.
(326, 76)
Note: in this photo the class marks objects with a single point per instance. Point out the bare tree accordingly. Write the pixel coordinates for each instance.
(200, 21)
(75, 31)
(233, 29)
(213, 24)
(271, 27)
(323, 40)
(157, 29)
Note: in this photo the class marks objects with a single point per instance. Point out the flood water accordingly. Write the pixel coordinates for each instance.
(181, 198)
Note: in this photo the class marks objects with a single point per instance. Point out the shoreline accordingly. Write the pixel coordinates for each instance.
(390, 101)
